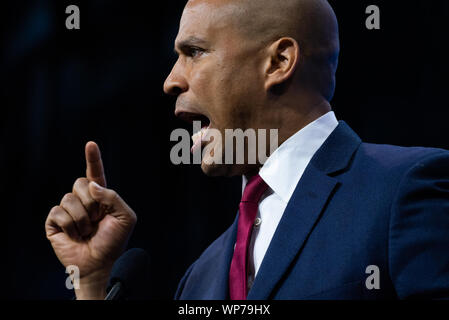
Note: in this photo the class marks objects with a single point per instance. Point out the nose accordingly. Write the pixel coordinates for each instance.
(176, 83)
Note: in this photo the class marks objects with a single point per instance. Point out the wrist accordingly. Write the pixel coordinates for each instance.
(93, 287)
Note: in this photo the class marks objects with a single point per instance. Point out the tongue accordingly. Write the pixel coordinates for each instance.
(197, 138)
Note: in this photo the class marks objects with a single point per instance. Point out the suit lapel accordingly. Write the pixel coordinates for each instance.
(304, 209)
(300, 216)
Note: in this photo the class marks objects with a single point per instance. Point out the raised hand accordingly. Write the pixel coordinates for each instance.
(90, 227)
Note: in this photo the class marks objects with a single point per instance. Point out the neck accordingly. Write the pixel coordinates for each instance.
(290, 118)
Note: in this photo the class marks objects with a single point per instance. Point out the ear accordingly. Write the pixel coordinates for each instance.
(283, 58)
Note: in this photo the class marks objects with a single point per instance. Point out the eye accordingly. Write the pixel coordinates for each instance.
(195, 52)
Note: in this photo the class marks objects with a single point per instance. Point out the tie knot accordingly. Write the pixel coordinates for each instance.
(254, 189)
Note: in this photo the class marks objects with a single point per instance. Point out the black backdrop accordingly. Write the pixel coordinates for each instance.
(62, 88)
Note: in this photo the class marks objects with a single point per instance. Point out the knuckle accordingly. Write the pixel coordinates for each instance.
(50, 216)
(79, 183)
(66, 222)
(54, 211)
(58, 216)
(68, 197)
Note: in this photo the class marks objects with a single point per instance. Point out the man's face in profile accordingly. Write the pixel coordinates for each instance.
(218, 77)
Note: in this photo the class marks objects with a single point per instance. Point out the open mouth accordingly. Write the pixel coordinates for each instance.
(191, 117)
(197, 136)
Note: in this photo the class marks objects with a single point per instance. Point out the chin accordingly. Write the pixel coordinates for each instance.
(215, 170)
(221, 170)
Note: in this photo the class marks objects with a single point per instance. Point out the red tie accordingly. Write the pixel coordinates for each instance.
(254, 190)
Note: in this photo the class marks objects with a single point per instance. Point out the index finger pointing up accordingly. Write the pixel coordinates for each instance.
(94, 164)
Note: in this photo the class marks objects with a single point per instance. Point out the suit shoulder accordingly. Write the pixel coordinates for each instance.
(393, 157)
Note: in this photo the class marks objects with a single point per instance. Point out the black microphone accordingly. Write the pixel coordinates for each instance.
(130, 276)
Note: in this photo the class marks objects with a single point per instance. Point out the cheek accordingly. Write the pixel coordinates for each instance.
(213, 87)
(242, 91)
(227, 90)
(204, 83)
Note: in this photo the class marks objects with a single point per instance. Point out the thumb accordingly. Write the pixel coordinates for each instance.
(110, 202)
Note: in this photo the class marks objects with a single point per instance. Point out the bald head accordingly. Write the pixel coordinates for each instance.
(312, 23)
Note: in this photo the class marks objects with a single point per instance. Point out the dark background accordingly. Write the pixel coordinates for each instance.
(62, 88)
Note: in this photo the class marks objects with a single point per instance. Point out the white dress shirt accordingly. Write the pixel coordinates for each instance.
(282, 172)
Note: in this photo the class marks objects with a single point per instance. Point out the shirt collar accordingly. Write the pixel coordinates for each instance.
(285, 167)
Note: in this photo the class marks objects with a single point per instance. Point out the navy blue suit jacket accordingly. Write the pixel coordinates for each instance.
(356, 205)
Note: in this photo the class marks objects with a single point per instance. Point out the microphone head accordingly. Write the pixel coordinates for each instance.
(132, 270)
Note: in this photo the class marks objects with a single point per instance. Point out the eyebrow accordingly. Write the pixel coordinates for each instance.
(187, 43)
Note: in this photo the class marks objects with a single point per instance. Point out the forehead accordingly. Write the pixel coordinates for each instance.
(205, 20)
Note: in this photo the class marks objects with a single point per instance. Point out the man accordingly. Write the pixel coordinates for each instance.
(325, 217)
